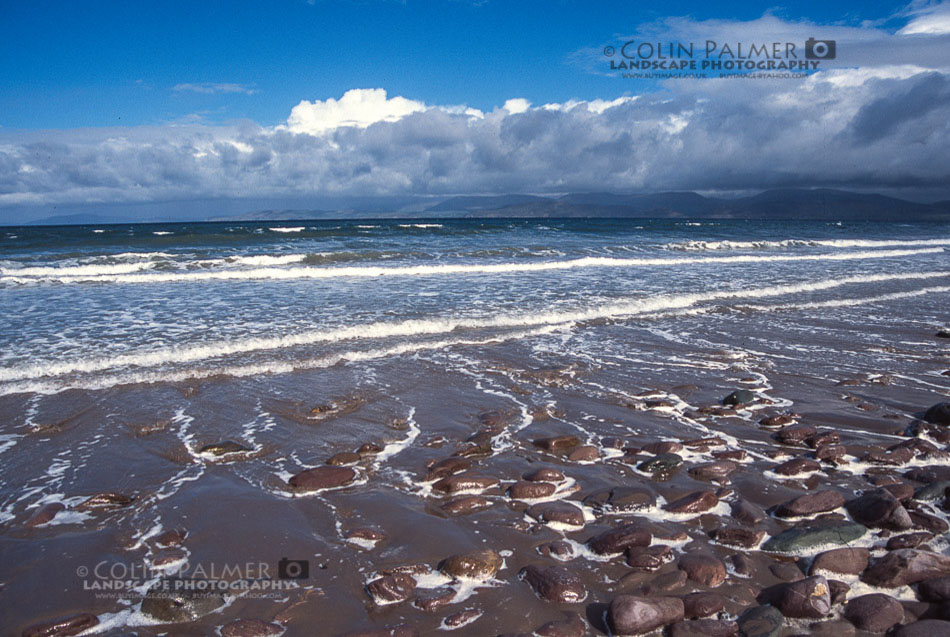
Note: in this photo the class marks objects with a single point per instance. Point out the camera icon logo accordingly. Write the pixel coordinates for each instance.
(293, 569)
(820, 49)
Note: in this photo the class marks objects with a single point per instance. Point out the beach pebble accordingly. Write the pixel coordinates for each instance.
(396, 587)
(696, 502)
(879, 509)
(464, 482)
(573, 625)
(618, 539)
(63, 627)
(740, 397)
(662, 463)
(544, 474)
(524, 490)
(557, 443)
(586, 453)
(464, 504)
(906, 566)
(447, 467)
(809, 535)
(796, 434)
(433, 599)
(344, 458)
(713, 471)
(741, 536)
(761, 621)
(875, 613)
(557, 512)
(46, 514)
(809, 598)
(665, 446)
(648, 558)
(172, 537)
(322, 478)
(106, 501)
(810, 504)
(223, 448)
(633, 615)
(554, 584)
(923, 628)
(747, 513)
(846, 560)
(703, 568)
(908, 540)
(938, 414)
(169, 601)
(477, 565)
(701, 604)
(796, 466)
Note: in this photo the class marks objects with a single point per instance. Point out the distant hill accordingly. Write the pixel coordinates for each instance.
(79, 219)
(789, 204)
(486, 202)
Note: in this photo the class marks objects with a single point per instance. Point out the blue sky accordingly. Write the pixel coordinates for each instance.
(165, 106)
(75, 64)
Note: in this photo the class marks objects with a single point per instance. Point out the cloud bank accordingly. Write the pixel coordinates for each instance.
(881, 121)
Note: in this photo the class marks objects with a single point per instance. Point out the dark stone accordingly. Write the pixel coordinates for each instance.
(632, 615)
(461, 618)
(796, 466)
(760, 621)
(742, 564)
(908, 540)
(172, 537)
(454, 484)
(621, 499)
(747, 513)
(46, 514)
(906, 566)
(741, 536)
(938, 414)
(839, 591)
(464, 504)
(697, 502)
(796, 434)
(649, 558)
(557, 443)
(251, 628)
(618, 539)
(875, 613)
(397, 587)
(544, 474)
(699, 605)
(169, 601)
(106, 501)
(713, 471)
(558, 549)
(703, 568)
(823, 438)
(786, 571)
(810, 504)
(830, 453)
(447, 467)
(432, 600)
(662, 463)
(850, 561)
(930, 522)
(929, 475)
(555, 584)
(879, 509)
(63, 627)
(809, 598)
(344, 458)
(810, 535)
(934, 491)
(585, 453)
(660, 448)
(740, 397)
(557, 512)
(903, 491)
(524, 490)
(479, 565)
(777, 421)
(322, 478)
(935, 590)
(665, 583)
(401, 630)
(224, 448)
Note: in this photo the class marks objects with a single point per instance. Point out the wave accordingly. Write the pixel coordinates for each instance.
(91, 270)
(792, 243)
(420, 225)
(273, 273)
(849, 302)
(294, 229)
(267, 260)
(435, 326)
(273, 367)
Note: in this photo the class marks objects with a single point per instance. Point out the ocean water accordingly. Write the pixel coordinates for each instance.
(89, 307)
(125, 350)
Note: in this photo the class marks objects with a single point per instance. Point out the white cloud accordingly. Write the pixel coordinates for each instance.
(517, 105)
(929, 20)
(358, 107)
(210, 88)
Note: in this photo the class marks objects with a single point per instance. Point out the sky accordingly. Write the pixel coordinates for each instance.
(170, 106)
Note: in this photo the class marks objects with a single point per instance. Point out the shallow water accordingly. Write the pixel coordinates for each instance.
(126, 349)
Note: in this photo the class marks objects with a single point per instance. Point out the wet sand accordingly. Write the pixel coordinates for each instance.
(615, 424)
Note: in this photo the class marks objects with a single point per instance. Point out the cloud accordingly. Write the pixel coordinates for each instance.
(357, 107)
(210, 88)
(928, 20)
(876, 126)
